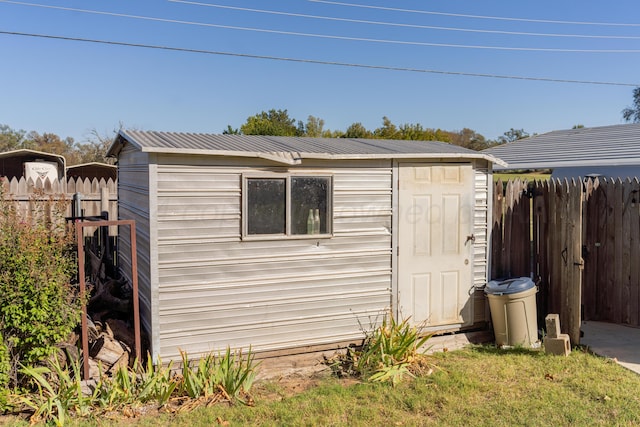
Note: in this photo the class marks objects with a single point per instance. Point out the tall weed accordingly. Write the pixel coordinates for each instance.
(389, 352)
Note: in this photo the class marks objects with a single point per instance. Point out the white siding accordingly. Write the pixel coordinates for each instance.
(133, 203)
(482, 184)
(216, 289)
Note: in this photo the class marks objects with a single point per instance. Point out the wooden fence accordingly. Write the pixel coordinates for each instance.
(97, 196)
(579, 240)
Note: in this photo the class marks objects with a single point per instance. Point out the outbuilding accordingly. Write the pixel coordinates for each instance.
(282, 244)
(606, 151)
(31, 164)
(93, 170)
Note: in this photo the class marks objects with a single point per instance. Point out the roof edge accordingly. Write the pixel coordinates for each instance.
(295, 158)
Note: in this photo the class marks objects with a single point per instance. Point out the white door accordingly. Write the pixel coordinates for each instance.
(435, 244)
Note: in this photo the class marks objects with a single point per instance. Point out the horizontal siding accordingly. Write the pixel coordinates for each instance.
(216, 289)
(482, 181)
(133, 203)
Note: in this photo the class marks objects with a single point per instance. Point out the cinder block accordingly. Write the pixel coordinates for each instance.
(560, 346)
(552, 322)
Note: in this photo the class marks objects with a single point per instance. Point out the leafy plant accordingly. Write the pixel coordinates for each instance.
(132, 386)
(39, 306)
(156, 382)
(230, 374)
(59, 393)
(235, 374)
(389, 352)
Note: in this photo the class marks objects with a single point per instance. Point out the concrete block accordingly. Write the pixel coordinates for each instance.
(560, 346)
(552, 322)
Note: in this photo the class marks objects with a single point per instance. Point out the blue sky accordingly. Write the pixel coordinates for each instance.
(71, 87)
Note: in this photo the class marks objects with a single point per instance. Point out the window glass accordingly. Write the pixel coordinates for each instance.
(309, 205)
(266, 206)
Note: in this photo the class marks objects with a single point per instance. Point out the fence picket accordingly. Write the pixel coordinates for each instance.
(32, 197)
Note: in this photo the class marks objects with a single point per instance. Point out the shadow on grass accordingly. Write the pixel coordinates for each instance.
(491, 349)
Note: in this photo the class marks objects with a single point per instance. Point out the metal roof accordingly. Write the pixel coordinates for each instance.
(11, 162)
(615, 145)
(288, 150)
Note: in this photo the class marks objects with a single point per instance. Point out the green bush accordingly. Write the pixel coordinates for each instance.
(390, 352)
(39, 306)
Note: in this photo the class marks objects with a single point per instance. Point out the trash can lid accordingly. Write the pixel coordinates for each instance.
(509, 286)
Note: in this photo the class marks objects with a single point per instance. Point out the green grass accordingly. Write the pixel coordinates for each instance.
(478, 386)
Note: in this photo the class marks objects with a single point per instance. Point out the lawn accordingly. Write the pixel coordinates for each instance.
(477, 386)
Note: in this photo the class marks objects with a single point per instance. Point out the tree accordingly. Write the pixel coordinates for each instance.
(468, 138)
(632, 114)
(231, 131)
(314, 127)
(387, 131)
(273, 122)
(94, 149)
(416, 132)
(512, 135)
(11, 139)
(357, 130)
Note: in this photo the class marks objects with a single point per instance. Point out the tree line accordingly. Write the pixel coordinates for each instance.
(93, 150)
(272, 122)
(279, 123)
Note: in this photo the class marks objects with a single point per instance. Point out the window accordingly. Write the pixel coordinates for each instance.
(293, 205)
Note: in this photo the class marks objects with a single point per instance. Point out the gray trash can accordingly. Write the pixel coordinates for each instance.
(512, 303)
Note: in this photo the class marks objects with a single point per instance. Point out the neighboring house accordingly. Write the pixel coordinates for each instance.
(31, 164)
(609, 151)
(93, 170)
(297, 243)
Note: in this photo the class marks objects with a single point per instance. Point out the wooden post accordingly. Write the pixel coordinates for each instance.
(574, 245)
(83, 323)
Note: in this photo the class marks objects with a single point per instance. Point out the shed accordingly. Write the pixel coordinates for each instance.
(93, 170)
(284, 244)
(13, 163)
(609, 151)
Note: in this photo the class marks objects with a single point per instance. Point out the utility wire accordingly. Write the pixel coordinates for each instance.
(332, 37)
(461, 15)
(314, 61)
(396, 24)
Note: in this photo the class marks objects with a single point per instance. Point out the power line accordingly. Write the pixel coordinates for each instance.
(396, 24)
(331, 37)
(314, 61)
(461, 15)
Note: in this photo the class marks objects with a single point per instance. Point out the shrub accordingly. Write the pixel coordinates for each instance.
(389, 352)
(39, 306)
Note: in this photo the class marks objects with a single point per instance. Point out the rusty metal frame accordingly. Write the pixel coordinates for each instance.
(80, 225)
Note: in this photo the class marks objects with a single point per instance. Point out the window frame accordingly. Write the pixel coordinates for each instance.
(287, 177)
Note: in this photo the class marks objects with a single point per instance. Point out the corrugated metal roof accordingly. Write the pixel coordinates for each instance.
(288, 150)
(598, 146)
